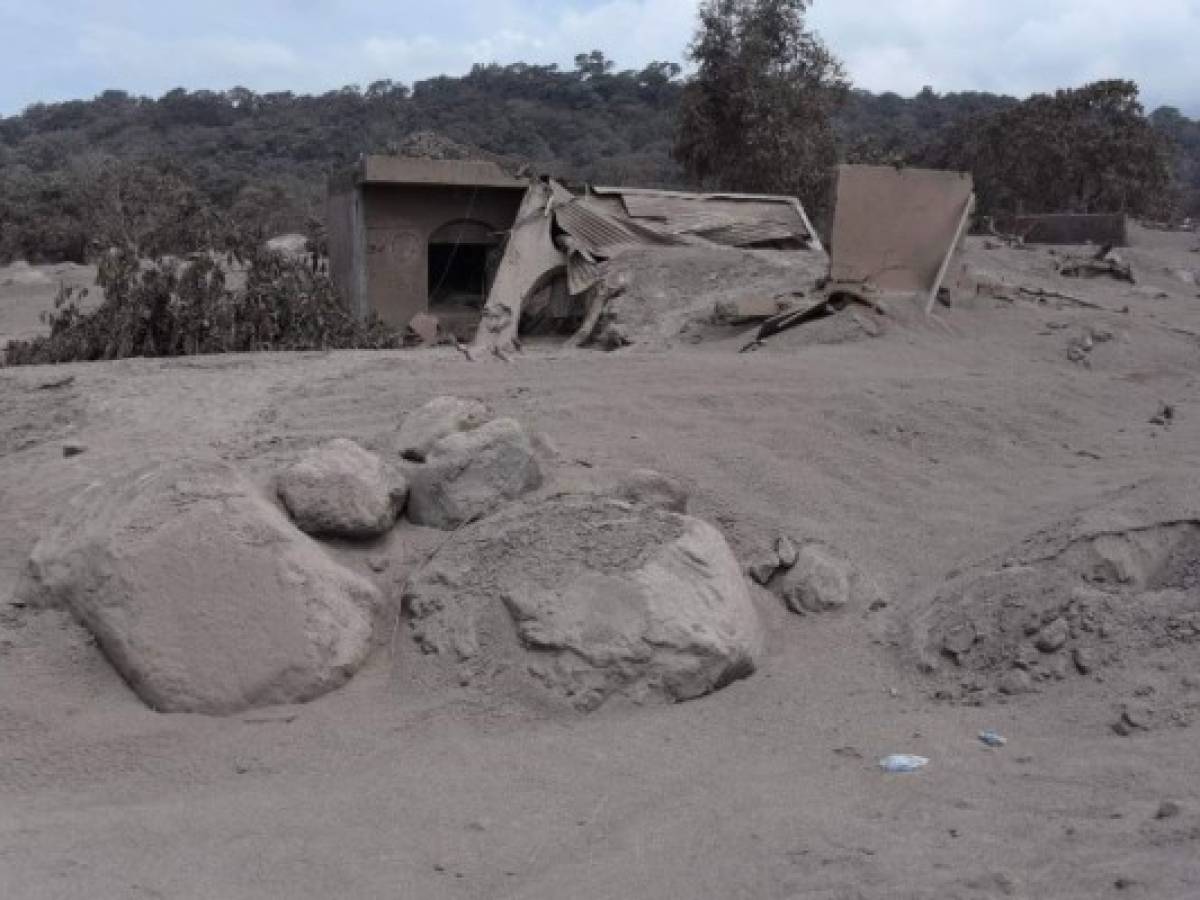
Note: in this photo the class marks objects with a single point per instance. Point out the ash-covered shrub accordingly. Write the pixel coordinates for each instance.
(178, 308)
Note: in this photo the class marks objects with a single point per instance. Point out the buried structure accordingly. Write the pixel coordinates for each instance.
(410, 236)
(464, 240)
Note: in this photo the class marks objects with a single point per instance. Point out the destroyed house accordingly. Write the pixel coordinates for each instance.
(410, 236)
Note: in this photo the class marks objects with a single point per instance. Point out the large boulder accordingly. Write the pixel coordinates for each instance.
(578, 598)
(439, 418)
(341, 490)
(201, 592)
(469, 474)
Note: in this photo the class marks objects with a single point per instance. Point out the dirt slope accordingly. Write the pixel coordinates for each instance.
(919, 454)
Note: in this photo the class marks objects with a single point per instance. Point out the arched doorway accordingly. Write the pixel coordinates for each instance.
(462, 258)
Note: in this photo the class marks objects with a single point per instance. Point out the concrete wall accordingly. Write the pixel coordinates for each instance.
(398, 221)
(345, 230)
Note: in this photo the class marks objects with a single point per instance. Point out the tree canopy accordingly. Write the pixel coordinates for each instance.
(757, 115)
(165, 174)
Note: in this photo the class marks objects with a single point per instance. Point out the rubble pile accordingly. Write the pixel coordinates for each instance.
(1112, 595)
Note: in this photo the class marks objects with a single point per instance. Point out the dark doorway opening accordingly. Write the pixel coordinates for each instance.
(457, 273)
(462, 260)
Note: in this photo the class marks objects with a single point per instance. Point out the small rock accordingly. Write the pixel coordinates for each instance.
(787, 551)
(469, 474)
(761, 571)
(1085, 660)
(818, 582)
(1134, 717)
(1138, 715)
(1014, 682)
(379, 564)
(72, 449)
(1055, 667)
(614, 337)
(1053, 637)
(1168, 809)
(341, 490)
(440, 417)
(959, 638)
(1077, 354)
(653, 488)
(1026, 657)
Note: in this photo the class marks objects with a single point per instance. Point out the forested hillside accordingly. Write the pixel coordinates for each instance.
(153, 171)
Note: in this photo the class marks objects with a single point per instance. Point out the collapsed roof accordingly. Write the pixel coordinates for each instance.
(558, 231)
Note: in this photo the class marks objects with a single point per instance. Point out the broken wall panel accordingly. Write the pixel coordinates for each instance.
(894, 227)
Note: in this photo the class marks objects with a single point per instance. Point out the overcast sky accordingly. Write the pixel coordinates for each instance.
(62, 49)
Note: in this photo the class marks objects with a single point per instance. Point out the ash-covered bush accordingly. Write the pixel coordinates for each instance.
(178, 308)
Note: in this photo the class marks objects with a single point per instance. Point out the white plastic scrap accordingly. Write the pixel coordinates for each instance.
(902, 762)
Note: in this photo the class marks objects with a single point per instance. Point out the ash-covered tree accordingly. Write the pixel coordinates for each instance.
(1090, 149)
(756, 116)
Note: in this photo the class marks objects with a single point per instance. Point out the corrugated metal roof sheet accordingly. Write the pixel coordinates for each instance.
(700, 214)
(582, 273)
(750, 234)
(598, 231)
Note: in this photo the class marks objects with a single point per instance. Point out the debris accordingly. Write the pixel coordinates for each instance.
(992, 739)
(1168, 809)
(751, 310)
(614, 337)
(561, 234)
(1078, 350)
(1164, 417)
(425, 327)
(73, 449)
(1042, 295)
(837, 300)
(902, 763)
(1103, 264)
(57, 383)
